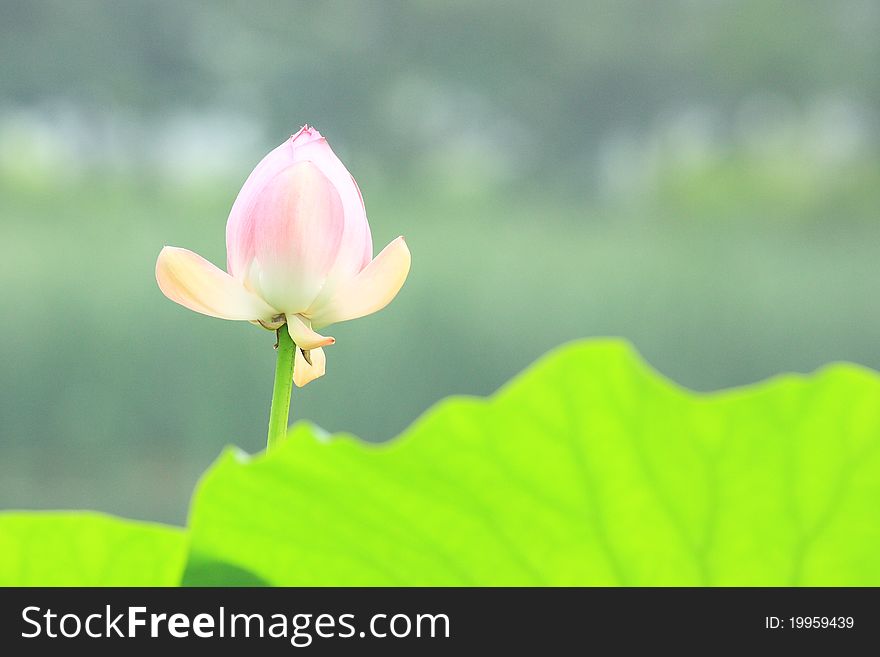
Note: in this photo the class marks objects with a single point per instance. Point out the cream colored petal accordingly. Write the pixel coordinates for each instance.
(190, 280)
(369, 291)
(305, 372)
(302, 334)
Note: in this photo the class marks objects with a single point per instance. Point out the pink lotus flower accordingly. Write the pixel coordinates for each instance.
(299, 252)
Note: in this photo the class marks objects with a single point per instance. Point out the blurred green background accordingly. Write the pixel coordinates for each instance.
(701, 178)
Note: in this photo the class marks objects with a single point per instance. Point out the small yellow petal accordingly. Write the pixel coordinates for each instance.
(301, 333)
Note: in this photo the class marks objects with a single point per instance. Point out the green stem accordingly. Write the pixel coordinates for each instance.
(283, 386)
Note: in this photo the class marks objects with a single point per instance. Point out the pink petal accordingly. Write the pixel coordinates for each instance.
(303, 336)
(296, 232)
(303, 372)
(190, 280)
(369, 291)
(356, 247)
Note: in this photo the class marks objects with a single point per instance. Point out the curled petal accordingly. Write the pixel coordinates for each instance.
(190, 280)
(305, 371)
(303, 336)
(369, 291)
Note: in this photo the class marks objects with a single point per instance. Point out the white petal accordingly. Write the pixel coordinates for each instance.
(369, 291)
(190, 280)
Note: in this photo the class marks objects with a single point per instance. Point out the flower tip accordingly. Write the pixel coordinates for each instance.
(306, 134)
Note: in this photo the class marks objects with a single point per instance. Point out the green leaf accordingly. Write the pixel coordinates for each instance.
(587, 469)
(88, 549)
